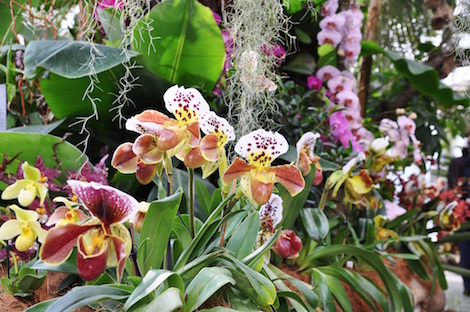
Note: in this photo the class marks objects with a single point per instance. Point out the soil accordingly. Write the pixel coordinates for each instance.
(47, 291)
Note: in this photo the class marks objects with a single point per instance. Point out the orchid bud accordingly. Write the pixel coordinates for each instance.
(288, 245)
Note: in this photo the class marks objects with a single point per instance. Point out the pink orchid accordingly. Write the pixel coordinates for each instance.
(329, 36)
(288, 245)
(348, 99)
(327, 72)
(393, 210)
(314, 83)
(329, 7)
(343, 82)
(334, 22)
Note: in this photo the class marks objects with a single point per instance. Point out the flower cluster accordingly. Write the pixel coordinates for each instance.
(400, 133)
(342, 30)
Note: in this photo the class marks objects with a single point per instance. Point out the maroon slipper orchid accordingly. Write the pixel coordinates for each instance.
(103, 241)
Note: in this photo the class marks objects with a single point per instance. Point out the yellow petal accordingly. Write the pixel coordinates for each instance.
(12, 191)
(31, 173)
(41, 233)
(42, 192)
(27, 195)
(24, 215)
(10, 229)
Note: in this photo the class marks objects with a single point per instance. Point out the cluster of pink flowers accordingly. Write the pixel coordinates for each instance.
(400, 133)
(342, 29)
(346, 123)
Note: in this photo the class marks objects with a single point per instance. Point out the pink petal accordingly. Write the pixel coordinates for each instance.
(120, 248)
(290, 177)
(210, 147)
(145, 146)
(107, 203)
(145, 173)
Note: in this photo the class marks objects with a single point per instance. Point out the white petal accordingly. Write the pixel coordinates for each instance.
(272, 209)
(211, 123)
(309, 139)
(189, 100)
(353, 162)
(272, 143)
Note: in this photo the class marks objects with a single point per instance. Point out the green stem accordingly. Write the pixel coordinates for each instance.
(191, 202)
(167, 261)
(133, 255)
(323, 198)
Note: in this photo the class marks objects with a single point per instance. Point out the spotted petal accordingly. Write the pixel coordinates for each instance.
(211, 123)
(124, 159)
(107, 203)
(260, 147)
(272, 209)
(60, 241)
(188, 105)
(290, 177)
(149, 121)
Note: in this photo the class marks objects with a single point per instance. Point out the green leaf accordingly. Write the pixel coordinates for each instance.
(338, 291)
(43, 129)
(293, 205)
(151, 281)
(205, 284)
(41, 306)
(29, 280)
(170, 300)
(315, 222)
(303, 63)
(70, 59)
(327, 55)
(323, 292)
(264, 288)
(303, 36)
(69, 266)
(7, 285)
(243, 240)
(203, 196)
(388, 279)
(189, 50)
(256, 255)
(156, 231)
(423, 77)
(209, 226)
(109, 20)
(30, 145)
(84, 295)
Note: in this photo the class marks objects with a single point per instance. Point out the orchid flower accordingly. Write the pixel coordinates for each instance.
(327, 72)
(102, 241)
(162, 137)
(381, 232)
(28, 188)
(261, 148)
(306, 157)
(355, 185)
(25, 226)
(271, 213)
(210, 152)
(69, 213)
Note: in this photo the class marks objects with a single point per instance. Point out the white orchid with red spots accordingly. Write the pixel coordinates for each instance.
(210, 152)
(102, 241)
(271, 213)
(261, 148)
(161, 137)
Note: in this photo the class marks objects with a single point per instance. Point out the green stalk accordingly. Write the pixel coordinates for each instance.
(323, 198)
(167, 260)
(191, 202)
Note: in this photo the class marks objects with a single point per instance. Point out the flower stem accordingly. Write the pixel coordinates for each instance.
(167, 261)
(323, 198)
(191, 202)
(133, 255)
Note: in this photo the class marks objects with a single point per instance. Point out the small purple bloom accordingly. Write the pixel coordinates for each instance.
(217, 18)
(334, 22)
(314, 83)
